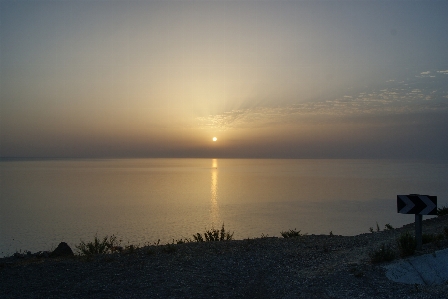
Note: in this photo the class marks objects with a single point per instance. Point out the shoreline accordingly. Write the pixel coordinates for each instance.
(73, 244)
(310, 266)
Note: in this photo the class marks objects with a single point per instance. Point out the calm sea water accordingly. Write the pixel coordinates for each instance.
(142, 200)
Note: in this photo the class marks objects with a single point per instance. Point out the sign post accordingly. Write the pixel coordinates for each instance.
(419, 205)
(418, 231)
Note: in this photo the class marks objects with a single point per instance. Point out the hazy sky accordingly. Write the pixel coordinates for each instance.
(303, 79)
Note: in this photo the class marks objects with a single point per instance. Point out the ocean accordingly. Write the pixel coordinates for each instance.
(141, 201)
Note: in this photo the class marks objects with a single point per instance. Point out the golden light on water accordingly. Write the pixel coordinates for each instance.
(214, 208)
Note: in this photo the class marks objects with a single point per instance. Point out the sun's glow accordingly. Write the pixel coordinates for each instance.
(215, 139)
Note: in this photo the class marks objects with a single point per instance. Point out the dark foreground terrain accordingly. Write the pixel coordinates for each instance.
(300, 267)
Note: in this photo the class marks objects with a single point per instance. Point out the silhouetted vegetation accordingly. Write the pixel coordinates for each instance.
(384, 254)
(106, 245)
(291, 233)
(406, 244)
(377, 228)
(214, 235)
(388, 227)
(443, 211)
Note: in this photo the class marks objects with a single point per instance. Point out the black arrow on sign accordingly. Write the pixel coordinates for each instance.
(417, 204)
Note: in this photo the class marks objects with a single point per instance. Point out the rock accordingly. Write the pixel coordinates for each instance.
(62, 250)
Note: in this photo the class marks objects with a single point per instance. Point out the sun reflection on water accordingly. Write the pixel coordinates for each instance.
(214, 208)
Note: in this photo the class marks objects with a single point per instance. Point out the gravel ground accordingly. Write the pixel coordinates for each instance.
(304, 267)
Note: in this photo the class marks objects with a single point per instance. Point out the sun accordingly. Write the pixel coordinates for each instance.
(215, 139)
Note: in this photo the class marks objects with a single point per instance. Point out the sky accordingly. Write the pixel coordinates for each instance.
(268, 79)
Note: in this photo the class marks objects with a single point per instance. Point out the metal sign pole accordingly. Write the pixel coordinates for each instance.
(418, 231)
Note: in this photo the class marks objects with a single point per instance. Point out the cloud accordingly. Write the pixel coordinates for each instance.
(396, 99)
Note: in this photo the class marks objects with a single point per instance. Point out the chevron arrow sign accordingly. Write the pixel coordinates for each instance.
(417, 204)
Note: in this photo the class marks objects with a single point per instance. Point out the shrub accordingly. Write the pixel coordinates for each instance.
(198, 237)
(214, 235)
(291, 233)
(388, 227)
(384, 254)
(406, 244)
(443, 211)
(106, 245)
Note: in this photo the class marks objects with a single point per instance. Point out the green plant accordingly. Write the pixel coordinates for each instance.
(106, 245)
(384, 254)
(291, 233)
(443, 211)
(388, 227)
(406, 244)
(214, 235)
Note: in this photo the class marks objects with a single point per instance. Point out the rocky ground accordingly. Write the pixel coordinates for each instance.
(303, 267)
